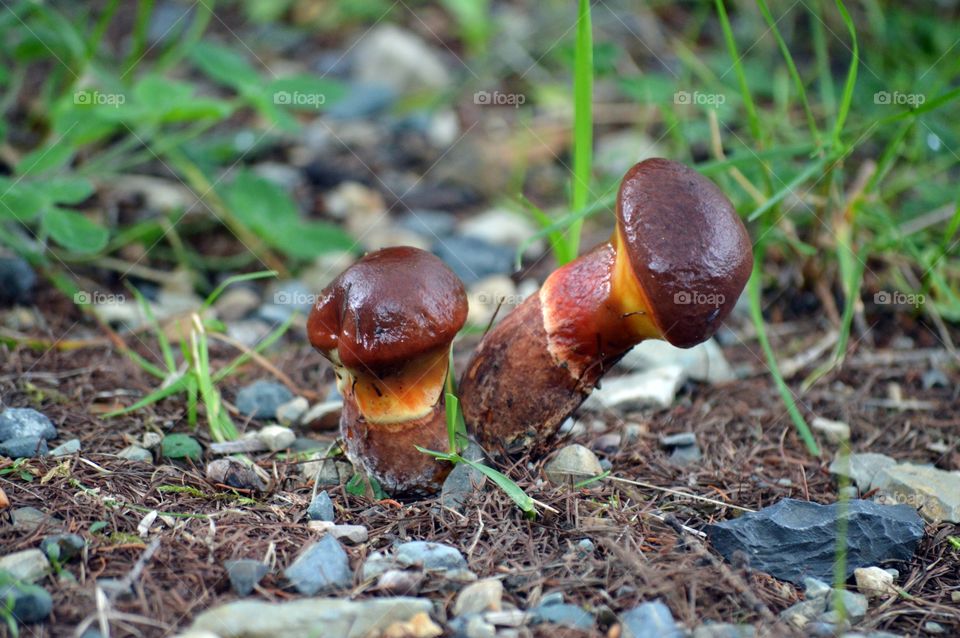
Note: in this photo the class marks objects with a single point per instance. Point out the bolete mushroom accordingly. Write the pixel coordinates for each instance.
(673, 270)
(386, 324)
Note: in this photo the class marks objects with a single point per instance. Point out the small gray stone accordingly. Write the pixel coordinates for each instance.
(17, 280)
(31, 603)
(572, 464)
(804, 612)
(261, 399)
(724, 630)
(276, 437)
(874, 582)
(585, 547)
(136, 453)
(29, 565)
(321, 508)
(234, 473)
(236, 303)
(22, 422)
(681, 439)
(62, 547)
(463, 482)
(351, 533)
(290, 412)
(323, 416)
(854, 606)
(656, 387)
(66, 448)
(933, 627)
(338, 618)
(934, 492)
(362, 101)
(649, 620)
(552, 598)
(321, 567)
(835, 431)
(400, 582)
(473, 259)
(563, 614)
(430, 556)
(483, 595)
(23, 447)
(815, 588)
(394, 57)
(245, 574)
(151, 440)
(428, 223)
(685, 455)
(862, 468)
(28, 519)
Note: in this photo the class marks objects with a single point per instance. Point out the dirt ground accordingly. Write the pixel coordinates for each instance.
(748, 443)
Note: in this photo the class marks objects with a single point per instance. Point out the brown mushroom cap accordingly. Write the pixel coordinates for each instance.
(688, 249)
(389, 307)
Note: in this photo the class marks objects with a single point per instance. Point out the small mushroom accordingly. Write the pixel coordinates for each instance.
(386, 324)
(673, 270)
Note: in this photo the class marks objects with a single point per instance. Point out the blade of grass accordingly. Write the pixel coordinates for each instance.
(851, 81)
(582, 127)
(213, 296)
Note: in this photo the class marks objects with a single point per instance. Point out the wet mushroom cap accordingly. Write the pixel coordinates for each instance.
(688, 251)
(389, 307)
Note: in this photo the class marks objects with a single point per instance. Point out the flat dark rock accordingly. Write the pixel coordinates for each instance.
(793, 539)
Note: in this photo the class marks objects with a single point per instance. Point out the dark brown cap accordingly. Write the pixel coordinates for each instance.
(689, 250)
(392, 305)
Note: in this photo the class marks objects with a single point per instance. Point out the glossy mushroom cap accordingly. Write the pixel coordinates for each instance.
(687, 249)
(389, 307)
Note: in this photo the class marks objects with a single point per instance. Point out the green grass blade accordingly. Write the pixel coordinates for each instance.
(851, 81)
(213, 296)
(753, 119)
(582, 127)
(268, 341)
(815, 167)
(453, 407)
(756, 313)
(162, 340)
(505, 483)
(153, 397)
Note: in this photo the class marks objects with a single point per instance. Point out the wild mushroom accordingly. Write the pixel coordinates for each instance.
(386, 324)
(673, 270)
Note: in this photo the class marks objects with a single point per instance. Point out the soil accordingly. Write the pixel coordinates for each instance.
(751, 458)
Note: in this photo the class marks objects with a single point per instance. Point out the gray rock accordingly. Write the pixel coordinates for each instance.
(276, 437)
(874, 582)
(234, 473)
(17, 280)
(428, 223)
(290, 412)
(394, 57)
(683, 448)
(28, 519)
(31, 603)
(66, 448)
(552, 598)
(804, 612)
(362, 101)
(400, 582)
(499, 226)
(236, 303)
(585, 547)
(656, 388)
(261, 399)
(351, 533)
(16, 423)
(649, 620)
(245, 574)
(704, 362)
(337, 618)
(563, 614)
(572, 464)
(724, 630)
(323, 416)
(62, 547)
(463, 481)
(430, 556)
(136, 453)
(934, 492)
(483, 595)
(29, 565)
(681, 439)
(321, 508)
(795, 539)
(932, 627)
(23, 447)
(323, 566)
(854, 607)
(834, 431)
(473, 259)
(863, 468)
(815, 588)
(473, 626)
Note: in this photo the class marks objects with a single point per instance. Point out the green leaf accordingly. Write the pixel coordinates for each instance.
(20, 200)
(505, 483)
(181, 446)
(68, 190)
(75, 232)
(96, 526)
(224, 65)
(45, 159)
(269, 212)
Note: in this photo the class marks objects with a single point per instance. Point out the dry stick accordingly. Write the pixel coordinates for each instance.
(266, 365)
(668, 490)
(728, 574)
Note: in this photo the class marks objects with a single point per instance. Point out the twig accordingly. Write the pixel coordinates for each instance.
(668, 490)
(266, 365)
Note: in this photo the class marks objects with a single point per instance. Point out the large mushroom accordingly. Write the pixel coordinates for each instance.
(673, 270)
(386, 324)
